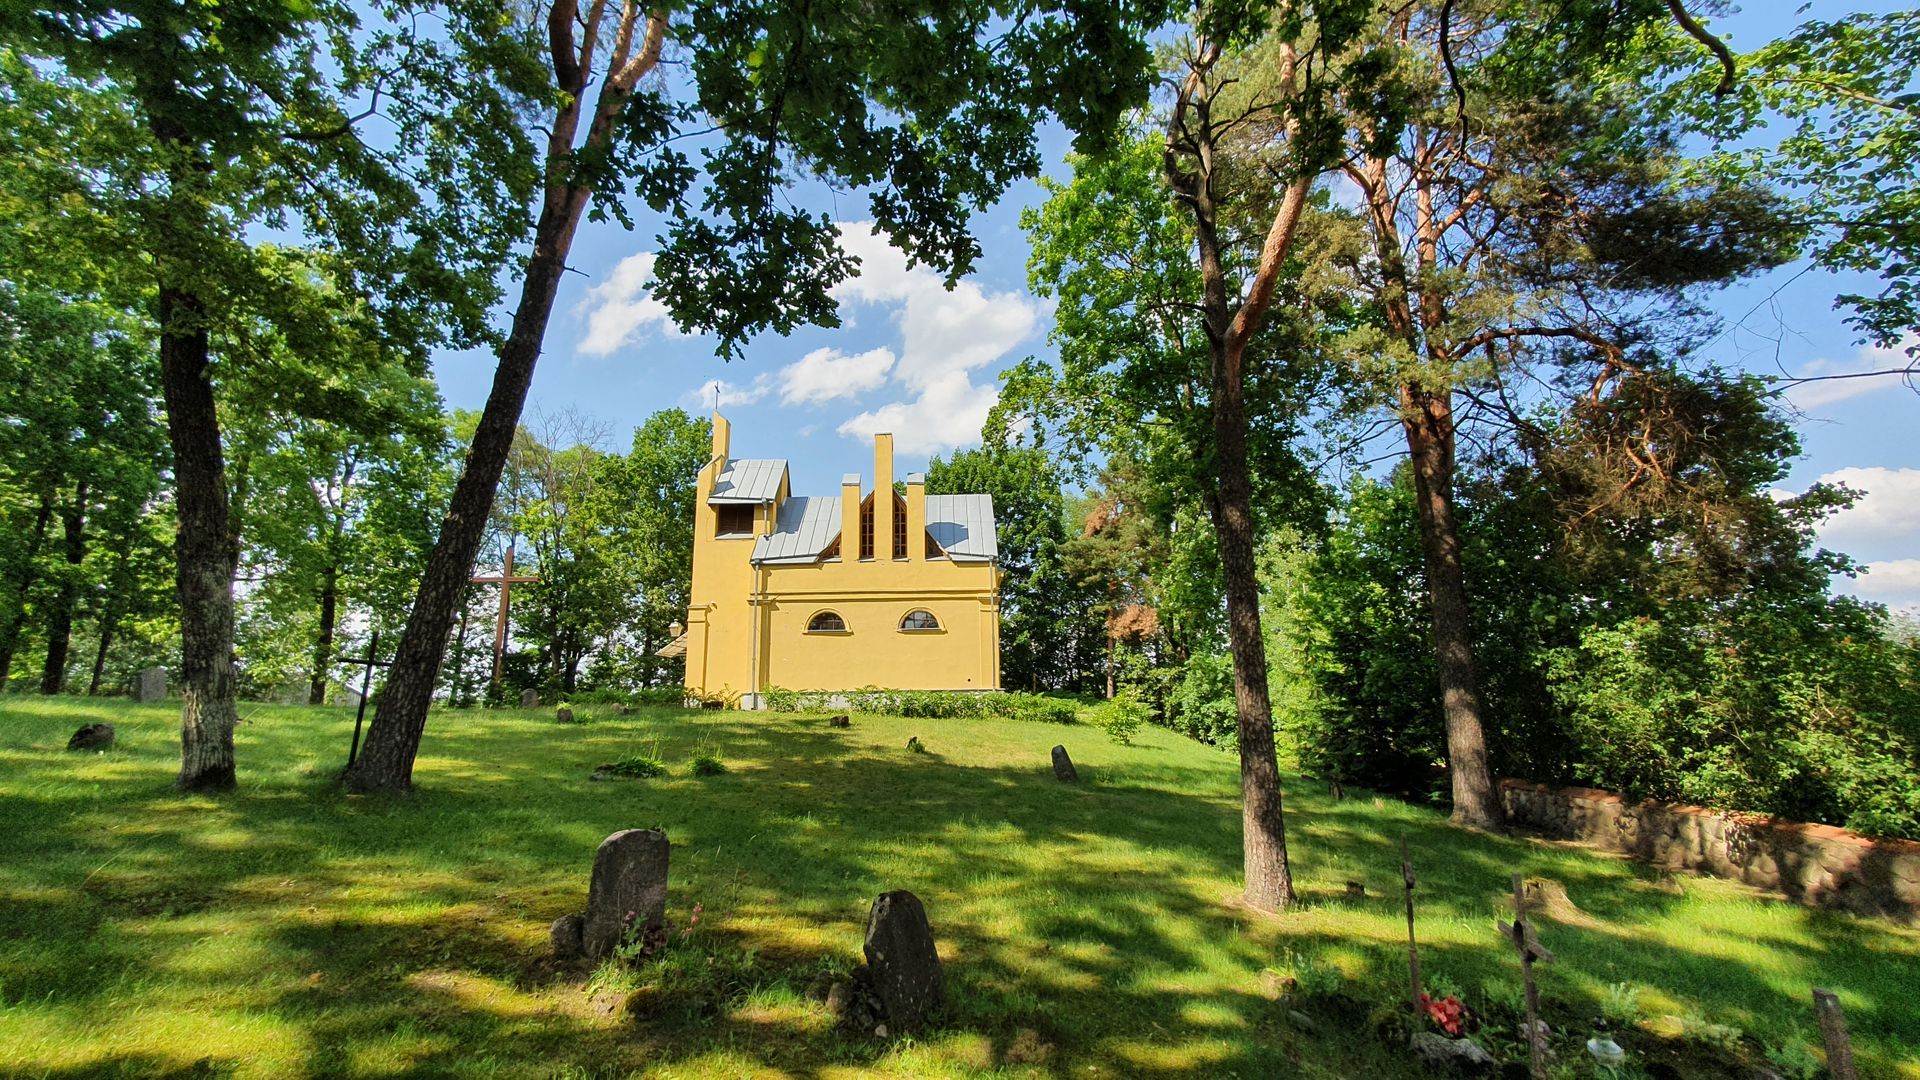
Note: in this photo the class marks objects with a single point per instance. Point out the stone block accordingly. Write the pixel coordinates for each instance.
(629, 887)
(905, 965)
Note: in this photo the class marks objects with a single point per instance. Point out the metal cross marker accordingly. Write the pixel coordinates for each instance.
(369, 661)
(506, 581)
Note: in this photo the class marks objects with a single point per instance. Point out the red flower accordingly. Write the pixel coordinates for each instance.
(1448, 1012)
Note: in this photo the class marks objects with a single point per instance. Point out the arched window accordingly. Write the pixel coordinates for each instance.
(827, 622)
(919, 620)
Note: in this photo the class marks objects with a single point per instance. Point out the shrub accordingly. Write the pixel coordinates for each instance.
(931, 704)
(1122, 717)
(706, 763)
(1201, 706)
(637, 766)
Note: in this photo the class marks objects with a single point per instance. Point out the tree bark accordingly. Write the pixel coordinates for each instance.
(1264, 827)
(29, 567)
(73, 522)
(323, 648)
(400, 719)
(1229, 327)
(205, 549)
(1426, 416)
(1428, 419)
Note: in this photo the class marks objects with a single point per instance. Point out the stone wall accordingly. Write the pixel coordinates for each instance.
(1817, 865)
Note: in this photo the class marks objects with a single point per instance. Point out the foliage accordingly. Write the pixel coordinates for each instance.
(1121, 716)
(1627, 654)
(1839, 105)
(1201, 702)
(706, 763)
(1040, 604)
(935, 704)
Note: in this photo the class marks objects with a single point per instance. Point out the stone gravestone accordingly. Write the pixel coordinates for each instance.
(1063, 766)
(92, 737)
(905, 965)
(629, 875)
(151, 685)
(529, 699)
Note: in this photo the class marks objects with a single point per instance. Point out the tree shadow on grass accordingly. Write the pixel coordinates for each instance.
(1086, 928)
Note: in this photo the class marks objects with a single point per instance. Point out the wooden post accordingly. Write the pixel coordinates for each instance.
(1530, 950)
(1413, 951)
(1833, 1031)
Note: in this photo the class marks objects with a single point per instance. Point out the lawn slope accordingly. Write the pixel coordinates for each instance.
(1088, 931)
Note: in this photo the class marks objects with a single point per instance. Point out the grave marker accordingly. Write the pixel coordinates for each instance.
(905, 965)
(629, 879)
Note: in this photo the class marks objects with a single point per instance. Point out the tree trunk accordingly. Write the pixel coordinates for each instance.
(10, 634)
(323, 648)
(1428, 420)
(73, 521)
(205, 549)
(393, 739)
(109, 622)
(117, 588)
(1264, 829)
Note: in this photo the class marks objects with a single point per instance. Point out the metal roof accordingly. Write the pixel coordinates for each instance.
(749, 480)
(963, 526)
(801, 531)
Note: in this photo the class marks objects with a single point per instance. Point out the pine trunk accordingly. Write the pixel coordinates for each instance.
(1264, 829)
(323, 648)
(400, 719)
(1428, 419)
(73, 521)
(29, 567)
(204, 548)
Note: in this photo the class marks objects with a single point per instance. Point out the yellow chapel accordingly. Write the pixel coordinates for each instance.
(833, 593)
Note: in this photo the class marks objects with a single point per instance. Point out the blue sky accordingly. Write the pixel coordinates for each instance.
(922, 362)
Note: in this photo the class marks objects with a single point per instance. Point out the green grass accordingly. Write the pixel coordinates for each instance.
(1088, 931)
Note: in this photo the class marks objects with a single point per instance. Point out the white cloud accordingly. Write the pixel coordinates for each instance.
(947, 413)
(946, 335)
(1885, 523)
(619, 308)
(701, 398)
(1815, 395)
(1894, 582)
(826, 374)
(943, 330)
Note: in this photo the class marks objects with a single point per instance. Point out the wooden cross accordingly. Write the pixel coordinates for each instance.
(506, 581)
(1413, 952)
(369, 661)
(1531, 952)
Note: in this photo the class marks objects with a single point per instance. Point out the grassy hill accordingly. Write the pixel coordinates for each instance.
(1087, 931)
